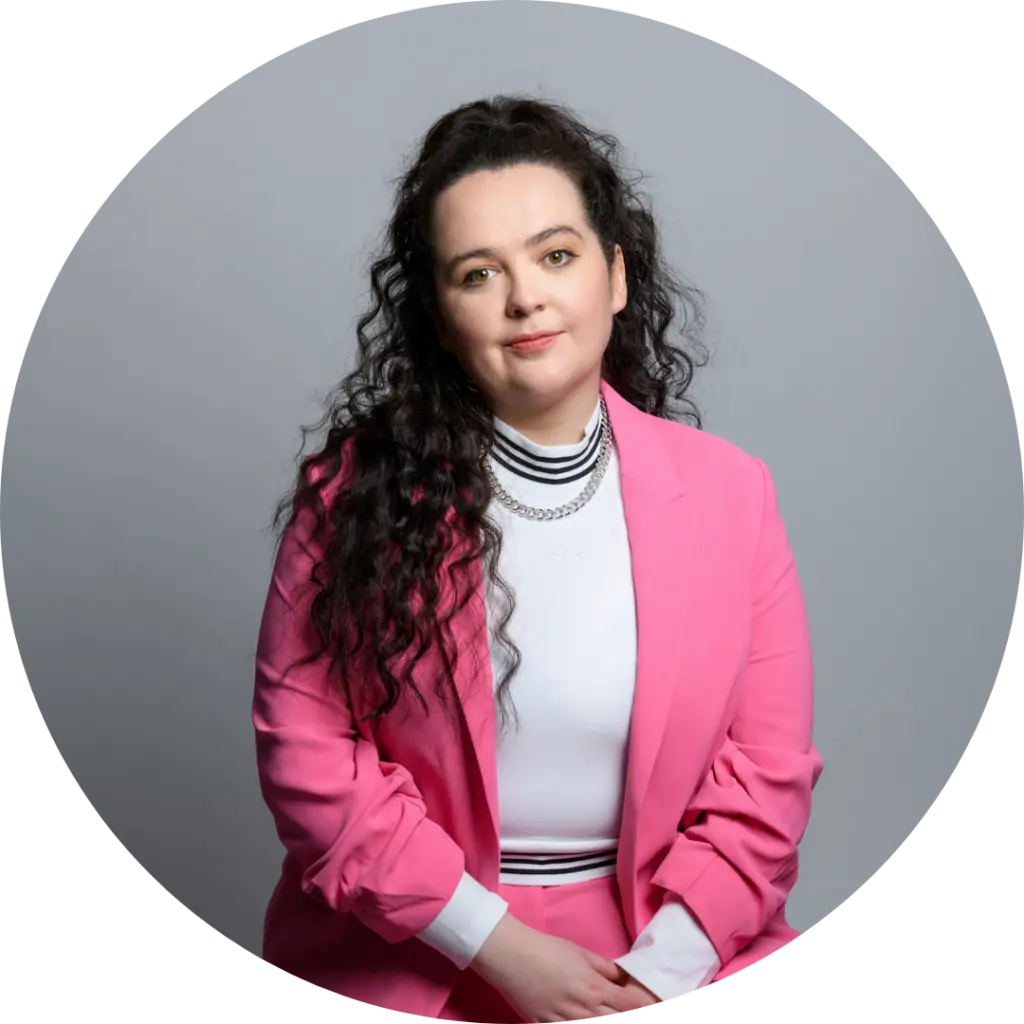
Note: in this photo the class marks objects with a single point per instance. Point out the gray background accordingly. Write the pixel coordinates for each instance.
(211, 303)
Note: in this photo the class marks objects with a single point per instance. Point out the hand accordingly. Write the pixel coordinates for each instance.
(547, 978)
(627, 981)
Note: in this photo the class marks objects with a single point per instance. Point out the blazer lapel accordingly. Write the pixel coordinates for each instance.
(663, 541)
(475, 686)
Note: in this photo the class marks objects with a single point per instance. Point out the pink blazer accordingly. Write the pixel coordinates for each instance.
(379, 821)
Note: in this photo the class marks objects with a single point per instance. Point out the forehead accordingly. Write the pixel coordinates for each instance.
(498, 207)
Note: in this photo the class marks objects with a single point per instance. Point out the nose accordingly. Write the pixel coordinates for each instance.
(524, 293)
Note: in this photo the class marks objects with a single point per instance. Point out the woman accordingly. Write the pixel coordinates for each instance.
(504, 455)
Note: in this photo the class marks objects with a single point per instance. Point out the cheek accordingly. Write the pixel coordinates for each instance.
(591, 304)
(473, 327)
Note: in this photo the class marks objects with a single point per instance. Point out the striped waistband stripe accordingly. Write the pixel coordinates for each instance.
(550, 868)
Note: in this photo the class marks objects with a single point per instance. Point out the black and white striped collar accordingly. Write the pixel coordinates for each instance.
(545, 463)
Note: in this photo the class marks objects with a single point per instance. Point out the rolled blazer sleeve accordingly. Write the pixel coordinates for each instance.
(734, 861)
(356, 825)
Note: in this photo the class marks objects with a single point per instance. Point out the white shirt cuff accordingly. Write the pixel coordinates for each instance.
(672, 955)
(467, 919)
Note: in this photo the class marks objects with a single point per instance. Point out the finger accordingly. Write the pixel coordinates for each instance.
(642, 992)
(608, 968)
(619, 999)
(621, 975)
(638, 996)
(613, 1008)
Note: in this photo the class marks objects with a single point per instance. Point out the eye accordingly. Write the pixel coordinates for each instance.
(561, 263)
(468, 279)
(567, 257)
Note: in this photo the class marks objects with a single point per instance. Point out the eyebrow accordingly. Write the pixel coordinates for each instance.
(486, 253)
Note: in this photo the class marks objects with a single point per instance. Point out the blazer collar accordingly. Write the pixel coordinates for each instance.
(643, 456)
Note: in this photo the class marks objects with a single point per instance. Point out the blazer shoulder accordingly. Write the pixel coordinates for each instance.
(728, 481)
(699, 451)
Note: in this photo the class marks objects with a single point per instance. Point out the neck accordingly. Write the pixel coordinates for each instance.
(561, 423)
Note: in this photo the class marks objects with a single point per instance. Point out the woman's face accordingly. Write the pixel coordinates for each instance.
(515, 255)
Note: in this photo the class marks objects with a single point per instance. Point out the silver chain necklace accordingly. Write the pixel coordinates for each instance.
(529, 512)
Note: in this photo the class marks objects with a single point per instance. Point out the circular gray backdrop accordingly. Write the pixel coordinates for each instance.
(211, 303)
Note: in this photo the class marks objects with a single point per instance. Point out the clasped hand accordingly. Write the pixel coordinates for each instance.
(547, 978)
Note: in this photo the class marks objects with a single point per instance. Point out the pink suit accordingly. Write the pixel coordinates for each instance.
(380, 821)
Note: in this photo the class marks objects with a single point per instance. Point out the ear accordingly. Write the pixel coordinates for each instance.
(620, 293)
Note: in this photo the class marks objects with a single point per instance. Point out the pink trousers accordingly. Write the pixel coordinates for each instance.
(588, 913)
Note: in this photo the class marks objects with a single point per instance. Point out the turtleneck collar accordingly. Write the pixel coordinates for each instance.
(545, 463)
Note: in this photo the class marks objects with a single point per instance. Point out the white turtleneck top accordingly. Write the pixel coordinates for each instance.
(561, 773)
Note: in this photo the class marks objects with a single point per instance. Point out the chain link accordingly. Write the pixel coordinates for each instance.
(544, 514)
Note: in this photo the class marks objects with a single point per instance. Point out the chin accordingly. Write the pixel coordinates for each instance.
(548, 392)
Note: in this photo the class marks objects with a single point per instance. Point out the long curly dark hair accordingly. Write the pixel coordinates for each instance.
(410, 431)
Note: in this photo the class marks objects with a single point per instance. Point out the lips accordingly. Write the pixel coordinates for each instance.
(539, 336)
(535, 344)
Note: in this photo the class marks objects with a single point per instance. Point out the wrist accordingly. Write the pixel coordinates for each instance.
(494, 954)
